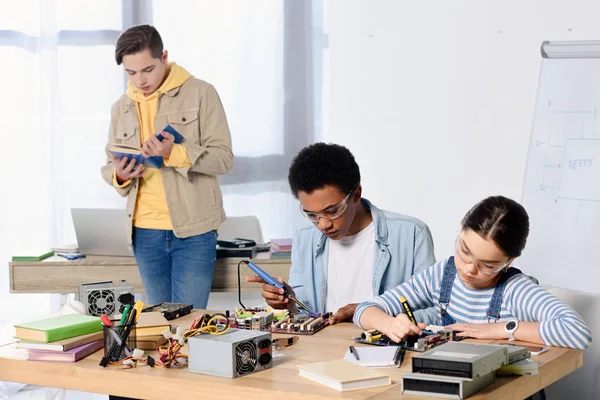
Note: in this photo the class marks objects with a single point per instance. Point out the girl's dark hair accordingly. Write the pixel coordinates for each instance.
(501, 219)
(322, 164)
(138, 38)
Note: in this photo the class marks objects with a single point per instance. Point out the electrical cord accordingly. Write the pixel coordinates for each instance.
(240, 285)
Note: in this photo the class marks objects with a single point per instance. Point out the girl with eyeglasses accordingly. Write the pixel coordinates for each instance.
(477, 291)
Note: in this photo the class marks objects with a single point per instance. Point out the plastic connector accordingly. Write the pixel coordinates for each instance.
(167, 334)
(179, 332)
(181, 340)
(182, 360)
(103, 362)
(137, 353)
(150, 361)
(129, 362)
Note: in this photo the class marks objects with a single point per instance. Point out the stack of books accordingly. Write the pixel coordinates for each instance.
(281, 248)
(65, 338)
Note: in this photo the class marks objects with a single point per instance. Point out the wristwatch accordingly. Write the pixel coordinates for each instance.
(510, 327)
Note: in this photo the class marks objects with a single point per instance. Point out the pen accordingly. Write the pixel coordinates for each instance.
(399, 356)
(139, 305)
(124, 317)
(105, 320)
(71, 256)
(354, 352)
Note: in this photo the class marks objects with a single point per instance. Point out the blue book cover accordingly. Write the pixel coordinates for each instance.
(172, 131)
(121, 150)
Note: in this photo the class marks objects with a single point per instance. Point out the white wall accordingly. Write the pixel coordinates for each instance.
(435, 100)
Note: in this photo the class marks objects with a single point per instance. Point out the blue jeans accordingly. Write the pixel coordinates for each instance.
(174, 269)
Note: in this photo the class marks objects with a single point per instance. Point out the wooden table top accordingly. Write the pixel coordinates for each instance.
(281, 381)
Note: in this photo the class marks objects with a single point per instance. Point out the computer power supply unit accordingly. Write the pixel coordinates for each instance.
(105, 298)
(236, 353)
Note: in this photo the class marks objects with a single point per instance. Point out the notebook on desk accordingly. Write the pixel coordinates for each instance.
(343, 376)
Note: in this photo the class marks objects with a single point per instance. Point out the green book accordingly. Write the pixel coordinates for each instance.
(34, 258)
(58, 328)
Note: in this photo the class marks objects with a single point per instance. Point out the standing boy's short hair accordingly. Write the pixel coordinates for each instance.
(322, 164)
(136, 39)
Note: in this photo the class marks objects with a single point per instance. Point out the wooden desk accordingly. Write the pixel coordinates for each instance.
(65, 276)
(282, 381)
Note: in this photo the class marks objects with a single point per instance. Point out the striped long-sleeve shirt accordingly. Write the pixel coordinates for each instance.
(524, 300)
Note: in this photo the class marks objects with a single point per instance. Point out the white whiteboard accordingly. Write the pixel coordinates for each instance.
(562, 181)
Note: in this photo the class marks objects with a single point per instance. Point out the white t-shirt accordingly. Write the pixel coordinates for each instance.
(351, 261)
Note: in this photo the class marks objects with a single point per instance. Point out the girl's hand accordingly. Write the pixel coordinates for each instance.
(479, 331)
(400, 327)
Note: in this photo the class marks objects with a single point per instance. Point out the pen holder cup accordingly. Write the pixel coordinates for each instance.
(119, 341)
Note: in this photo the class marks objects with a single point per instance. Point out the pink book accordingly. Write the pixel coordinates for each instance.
(281, 244)
(72, 355)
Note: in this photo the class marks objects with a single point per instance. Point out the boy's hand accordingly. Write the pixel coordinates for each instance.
(154, 147)
(273, 295)
(400, 327)
(124, 169)
(344, 314)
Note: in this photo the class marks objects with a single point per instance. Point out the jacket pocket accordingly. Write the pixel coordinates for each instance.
(186, 123)
(128, 134)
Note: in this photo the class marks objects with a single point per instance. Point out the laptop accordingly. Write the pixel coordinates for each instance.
(101, 231)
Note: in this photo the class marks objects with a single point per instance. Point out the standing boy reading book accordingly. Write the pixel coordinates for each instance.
(173, 211)
(353, 250)
(477, 292)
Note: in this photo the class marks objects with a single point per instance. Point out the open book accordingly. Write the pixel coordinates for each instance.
(132, 152)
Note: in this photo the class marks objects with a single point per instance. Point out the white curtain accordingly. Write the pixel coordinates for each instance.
(60, 80)
(259, 56)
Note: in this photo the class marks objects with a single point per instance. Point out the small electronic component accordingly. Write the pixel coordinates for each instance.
(427, 341)
(280, 343)
(279, 321)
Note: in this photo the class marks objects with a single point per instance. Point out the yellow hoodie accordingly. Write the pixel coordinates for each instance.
(151, 209)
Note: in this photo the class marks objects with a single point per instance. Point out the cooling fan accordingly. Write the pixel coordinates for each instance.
(105, 298)
(245, 357)
(101, 302)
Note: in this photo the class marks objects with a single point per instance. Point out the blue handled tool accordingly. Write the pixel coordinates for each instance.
(274, 282)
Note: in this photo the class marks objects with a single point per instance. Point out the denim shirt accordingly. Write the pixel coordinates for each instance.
(404, 247)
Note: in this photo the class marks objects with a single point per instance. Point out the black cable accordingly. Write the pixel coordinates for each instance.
(240, 286)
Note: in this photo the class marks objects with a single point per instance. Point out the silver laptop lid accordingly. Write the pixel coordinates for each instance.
(101, 231)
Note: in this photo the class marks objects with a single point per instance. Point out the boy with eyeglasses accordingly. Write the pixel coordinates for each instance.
(353, 251)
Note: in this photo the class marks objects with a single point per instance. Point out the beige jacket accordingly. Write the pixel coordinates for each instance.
(193, 194)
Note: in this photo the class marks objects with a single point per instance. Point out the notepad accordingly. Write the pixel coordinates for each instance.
(373, 356)
(343, 376)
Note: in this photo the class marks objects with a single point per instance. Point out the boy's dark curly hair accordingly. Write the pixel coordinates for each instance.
(322, 164)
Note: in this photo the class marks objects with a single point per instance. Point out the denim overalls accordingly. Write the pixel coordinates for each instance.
(493, 311)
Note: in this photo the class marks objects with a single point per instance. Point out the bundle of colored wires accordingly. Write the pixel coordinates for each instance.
(170, 354)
